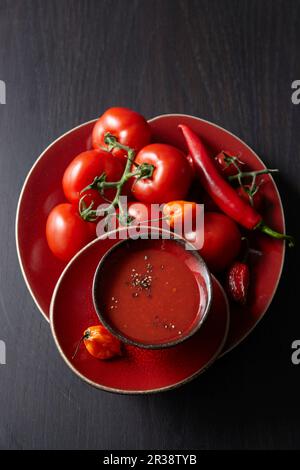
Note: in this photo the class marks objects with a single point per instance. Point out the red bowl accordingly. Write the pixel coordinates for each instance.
(42, 191)
(194, 262)
(138, 370)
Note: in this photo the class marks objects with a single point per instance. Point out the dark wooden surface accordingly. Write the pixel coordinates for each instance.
(229, 61)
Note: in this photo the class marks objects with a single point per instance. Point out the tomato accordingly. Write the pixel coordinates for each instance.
(178, 211)
(100, 343)
(227, 168)
(222, 238)
(67, 232)
(171, 178)
(83, 170)
(222, 241)
(129, 127)
(256, 198)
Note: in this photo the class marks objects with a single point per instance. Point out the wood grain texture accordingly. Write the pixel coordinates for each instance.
(229, 61)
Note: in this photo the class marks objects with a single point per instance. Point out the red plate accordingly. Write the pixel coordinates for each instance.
(265, 268)
(140, 370)
(42, 191)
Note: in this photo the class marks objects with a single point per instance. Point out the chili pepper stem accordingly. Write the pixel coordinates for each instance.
(83, 337)
(272, 233)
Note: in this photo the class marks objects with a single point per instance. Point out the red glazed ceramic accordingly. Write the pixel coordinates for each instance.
(42, 191)
(138, 370)
(197, 284)
(267, 263)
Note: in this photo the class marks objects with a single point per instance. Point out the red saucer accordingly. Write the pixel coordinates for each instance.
(139, 370)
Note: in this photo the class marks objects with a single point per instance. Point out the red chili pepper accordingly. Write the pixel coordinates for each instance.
(238, 278)
(220, 190)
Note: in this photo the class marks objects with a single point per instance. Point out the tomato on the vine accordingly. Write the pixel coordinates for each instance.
(171, 177)
(67, 232)
(84, 169)
(129, 127)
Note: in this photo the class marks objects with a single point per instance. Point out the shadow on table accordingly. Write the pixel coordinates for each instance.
(250, 397)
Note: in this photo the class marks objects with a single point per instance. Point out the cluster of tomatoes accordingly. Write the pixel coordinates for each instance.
(124, 161)
(170, 179)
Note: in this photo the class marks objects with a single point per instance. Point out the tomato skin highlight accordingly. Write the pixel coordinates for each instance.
(67, 232)
(171, 177)
(129, 127)
(82, 171)
(222, 241)
(100, 343)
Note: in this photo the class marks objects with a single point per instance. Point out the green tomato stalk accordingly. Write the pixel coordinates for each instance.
(143, 171)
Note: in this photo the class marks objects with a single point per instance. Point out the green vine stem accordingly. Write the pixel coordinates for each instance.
(231, 160)
(86, 212)
(251, 189)
(253, 174)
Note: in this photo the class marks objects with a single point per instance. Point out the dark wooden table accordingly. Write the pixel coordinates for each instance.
(228, 61)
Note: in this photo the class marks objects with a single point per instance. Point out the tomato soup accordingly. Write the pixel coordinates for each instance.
(148, 291)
